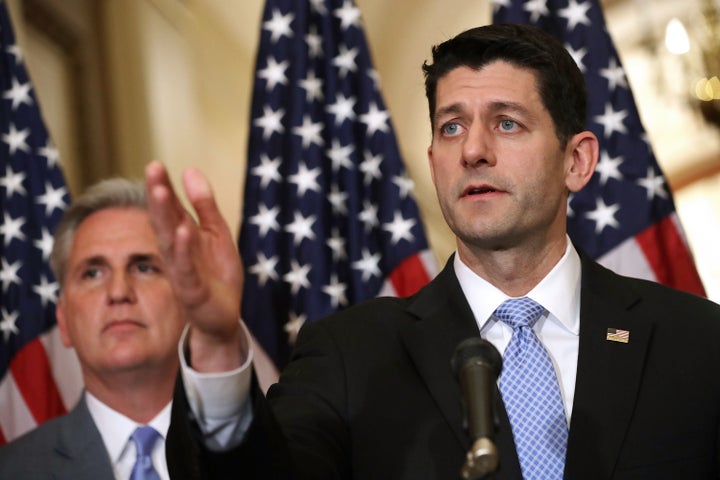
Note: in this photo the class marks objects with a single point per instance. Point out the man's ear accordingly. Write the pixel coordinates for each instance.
(62, 322)
(430, 162)
(582, 153)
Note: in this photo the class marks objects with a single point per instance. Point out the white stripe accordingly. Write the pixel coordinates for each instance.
(628, 259)
(15, 417)
(65, 367)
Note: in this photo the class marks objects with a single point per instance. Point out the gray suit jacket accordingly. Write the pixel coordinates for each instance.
(67, 447)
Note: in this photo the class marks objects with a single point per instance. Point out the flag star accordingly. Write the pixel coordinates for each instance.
(370, 166)
(578, 56)
(405, 184)
(9, 274)
(305, 179)
(266, 220)
(16, 139)
(297, 277)
(400, 228)
(274, 73)
(498, 4)
(615, 75)
(375, 120)
(293, 326)
(7, 324)
(314, 43)
(375, 77)
(609, 167)
(11, 228)
(342, 108)
(368, 264)
(271, 121)
(339, 155)
(345, 60)
(312, 86)
(570, 210)
(369, 215)
(536, 8)
(265, 268)
(53, 198)
(50, 153)
(13, 182)
(301, 228)
(576, 13)
(279, 25)
(336, 290)
(348, 14)
(338, 200)
(309, 132)
(611, 120)
(268, 170)
(16, 52)
(318, 6)
(603, 216)
(336, 242)
(45, 243)
(46, 290)
(19, 93)
(654, 184)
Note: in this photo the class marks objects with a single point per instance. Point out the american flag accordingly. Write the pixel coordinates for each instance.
(625, 217)
(329, 217)
(33, 197)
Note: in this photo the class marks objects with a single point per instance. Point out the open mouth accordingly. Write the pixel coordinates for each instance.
(479, 190)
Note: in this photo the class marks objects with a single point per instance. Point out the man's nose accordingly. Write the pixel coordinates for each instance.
(477, 148)
(120, 288)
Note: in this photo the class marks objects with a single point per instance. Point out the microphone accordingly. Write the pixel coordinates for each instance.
(477, 364)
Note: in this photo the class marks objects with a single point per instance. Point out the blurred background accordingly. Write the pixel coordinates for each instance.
(122, 82)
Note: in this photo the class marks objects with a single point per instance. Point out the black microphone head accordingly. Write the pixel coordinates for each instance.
(476, 349)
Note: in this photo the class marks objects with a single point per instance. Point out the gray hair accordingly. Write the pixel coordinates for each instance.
(111, 193)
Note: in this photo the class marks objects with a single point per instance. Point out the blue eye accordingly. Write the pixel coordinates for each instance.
(507, 125)
(451, 128)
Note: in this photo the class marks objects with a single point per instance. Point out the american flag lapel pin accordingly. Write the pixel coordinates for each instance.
(618, 335)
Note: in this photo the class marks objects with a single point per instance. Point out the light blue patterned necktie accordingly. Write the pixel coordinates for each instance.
(144, 438)
(531, 394)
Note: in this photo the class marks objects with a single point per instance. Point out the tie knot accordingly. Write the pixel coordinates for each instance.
(519, 312)
(144, 438)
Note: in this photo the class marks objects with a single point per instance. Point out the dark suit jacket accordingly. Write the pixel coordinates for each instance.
(370, 393)
(67, 447)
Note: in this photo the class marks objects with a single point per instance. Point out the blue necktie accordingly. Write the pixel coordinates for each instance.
(144, 438)
(531, 394)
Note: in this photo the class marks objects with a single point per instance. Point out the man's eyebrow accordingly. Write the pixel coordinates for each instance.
(493, 107)
(451, 109)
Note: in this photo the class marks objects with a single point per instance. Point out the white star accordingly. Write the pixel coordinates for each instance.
(336, 291)
(16, 139)
(400, 228)
(270, 122)
(500, 3)
(342, 109)
(578, 56)
(279, 25)
(7, 324)
(46, 290)
(575, 13)
(375, 119)
(611, 120)
(266, 220)
(375, 77)
(338, 200)
(305, 179)
(603, 216)
(537, 9)
(370, 166)
(615, 75)
(348, 14)
(368, 264)
(264, 269)
(274, 73)
(301, 228)
(309, 132)
(19, 93)
(292, 327)
(345, 60)
(15, 51)
(50, 153)
(9, 274)
(369, 215)
(268, 170)
(405, 184)
(340, 155)
(337, 245)
(608, 168)
(52, 198)
(318, 6)
(12, 228)
(314, 43)
(13, 182)
(312, 86)
(570, 211)
(297, 277)
(45, 243)
(655, 185)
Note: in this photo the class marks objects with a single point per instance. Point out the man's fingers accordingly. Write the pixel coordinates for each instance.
(201, 196)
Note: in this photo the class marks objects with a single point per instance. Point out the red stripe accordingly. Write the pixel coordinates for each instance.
(3, 440)
(409, 276)
(32, 374)
(669, 257)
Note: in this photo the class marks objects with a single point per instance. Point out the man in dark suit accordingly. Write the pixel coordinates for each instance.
(634, 366)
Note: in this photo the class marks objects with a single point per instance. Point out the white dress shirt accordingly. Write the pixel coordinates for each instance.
(558, 329)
